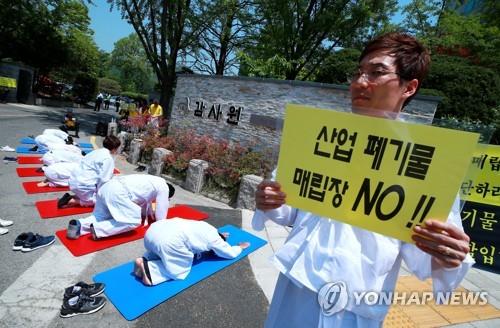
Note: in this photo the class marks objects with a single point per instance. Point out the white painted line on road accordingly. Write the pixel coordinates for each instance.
(35, 298)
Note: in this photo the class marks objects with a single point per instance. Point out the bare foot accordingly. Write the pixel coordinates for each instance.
(244, 245)
(42, 184)
(140, 272)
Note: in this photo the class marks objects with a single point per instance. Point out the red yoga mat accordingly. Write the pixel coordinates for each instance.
(29, 160)
(186, 212)
(86, 245)
(48, 209)
(29, 172)
(32, 188)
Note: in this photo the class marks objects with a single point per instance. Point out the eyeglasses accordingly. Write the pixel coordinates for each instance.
(371, 76)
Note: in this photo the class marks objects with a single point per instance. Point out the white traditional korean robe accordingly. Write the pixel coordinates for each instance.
(58, 174)
(51, 136)
(172, 245)
(123, 201)
(96, 168)
(62, 153)
(320, 250)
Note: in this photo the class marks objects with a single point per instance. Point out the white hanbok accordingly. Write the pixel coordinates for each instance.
(62, 153)
(320, 250)
(49, 137)
(122, 202)
(95, 169)
(58, 174)
(172, 245)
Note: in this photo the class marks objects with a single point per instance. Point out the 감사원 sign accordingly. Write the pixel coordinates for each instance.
(381, 175)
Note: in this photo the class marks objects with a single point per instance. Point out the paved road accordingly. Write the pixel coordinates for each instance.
(32, 283)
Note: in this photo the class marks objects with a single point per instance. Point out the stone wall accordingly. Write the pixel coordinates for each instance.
(262, 103)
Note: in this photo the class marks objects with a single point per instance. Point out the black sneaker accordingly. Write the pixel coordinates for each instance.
(21, 239)
(64, 200)
(81, 288)
(82, 305)
(37, 241)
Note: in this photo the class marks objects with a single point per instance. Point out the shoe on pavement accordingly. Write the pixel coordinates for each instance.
(20, 240)
(73, 231)
(5, 223)
(64, 200)
(3, 231)
(37, 241)
(81, 288)
(81, 304)
(10, 159)
(7, 148)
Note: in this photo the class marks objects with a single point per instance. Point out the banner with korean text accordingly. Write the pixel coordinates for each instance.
(481, 212)
(482, 183)
(381, 175)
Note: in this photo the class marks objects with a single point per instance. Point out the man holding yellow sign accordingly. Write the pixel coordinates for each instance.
(324, 260)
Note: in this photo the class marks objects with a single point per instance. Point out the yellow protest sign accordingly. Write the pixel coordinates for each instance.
(381, 175)
(8, 82)
(482, 184)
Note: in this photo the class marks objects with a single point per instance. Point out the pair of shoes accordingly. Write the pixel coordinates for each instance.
(7, 148)
(27, 242)
(73, 231)
(5, 223)
(34, 148)
(81, 304)
(64, 200)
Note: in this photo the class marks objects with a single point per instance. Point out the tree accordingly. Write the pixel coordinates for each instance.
(130, 64)
(338, 67)
(304, 32)
(49, 35)
(471, 91)
(224, 27)
(103, 63)
(161, 28)
(27, 35)
(109, 86)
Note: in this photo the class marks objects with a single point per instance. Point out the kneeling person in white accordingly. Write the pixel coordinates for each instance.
(51, 137)
(58, 174)
(172, 244)
(95, 169)
(123, 202)
(62, 153)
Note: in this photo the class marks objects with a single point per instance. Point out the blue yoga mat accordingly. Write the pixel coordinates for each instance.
(31, 141)
(133, 299)
(26, 150)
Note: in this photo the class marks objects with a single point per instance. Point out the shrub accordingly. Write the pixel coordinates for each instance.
(228, 162)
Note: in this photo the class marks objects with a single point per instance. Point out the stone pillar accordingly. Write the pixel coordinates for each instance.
(123, 136)
(195, 175)
(246, 194)
(134, 155)
(158, 161)
(112, 129)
